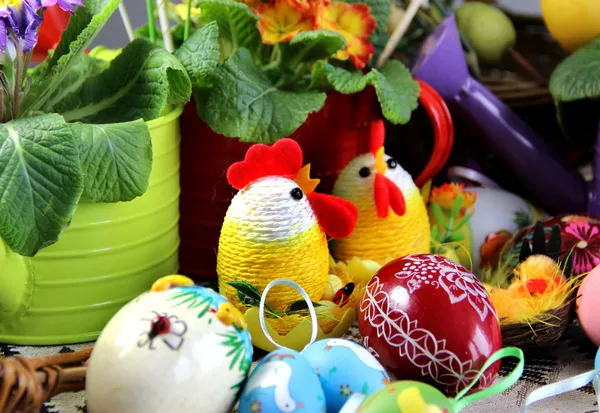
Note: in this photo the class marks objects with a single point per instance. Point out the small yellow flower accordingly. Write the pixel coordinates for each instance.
(446, 194)
(355, 23)
(281, 20)
(181, 11)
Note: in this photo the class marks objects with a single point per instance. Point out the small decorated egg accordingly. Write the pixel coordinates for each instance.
(283, 382)
(185, 349)
(580, 240)
(588, 309)
(484, 237)
(427, 318)
(597, 362)
(408, 397)
(345, 368)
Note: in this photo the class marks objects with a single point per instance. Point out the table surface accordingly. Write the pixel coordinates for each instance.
(573, 355)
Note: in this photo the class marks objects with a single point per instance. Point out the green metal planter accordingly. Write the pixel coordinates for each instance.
(109, 255)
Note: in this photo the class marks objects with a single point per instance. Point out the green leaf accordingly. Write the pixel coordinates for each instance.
(116, 160)
(438, 214)
(139, 83)
(456, 206)
(313, 45)
(380, 9)
(578, 76)
(397, 91)
(199, 54)
(247, 293)
(459, 236)
(575, 86)
(301, 306)
(237, 23)
(82, 29)
(244, 103)
(40, 181)
(83, 67)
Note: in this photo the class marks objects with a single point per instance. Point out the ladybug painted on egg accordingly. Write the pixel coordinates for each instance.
(427, 318)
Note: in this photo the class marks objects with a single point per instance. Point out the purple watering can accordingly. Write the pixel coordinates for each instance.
(552, 184)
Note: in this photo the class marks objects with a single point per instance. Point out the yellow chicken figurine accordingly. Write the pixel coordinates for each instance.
(277, 226)
(392, 218)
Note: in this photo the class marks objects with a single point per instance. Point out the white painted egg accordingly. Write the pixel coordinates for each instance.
(182, 350)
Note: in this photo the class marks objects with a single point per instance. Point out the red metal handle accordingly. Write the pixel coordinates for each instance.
(54, 24)
(443, 129)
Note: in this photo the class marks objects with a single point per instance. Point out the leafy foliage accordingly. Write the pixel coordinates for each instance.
(199, 54)
(397, 91)
(120, 93)
(575, 86)
(116, 160)
(82, 28)
(244, 103)
(237, 24)
(40, 181)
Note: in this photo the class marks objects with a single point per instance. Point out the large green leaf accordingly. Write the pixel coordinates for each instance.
(244, 103)
(139, 83)
(237, 23)
(116, 160)
(313, 45)
(199, 54)
(575, 86)
(397, 91)
(380, 9)
(40, 181)
(578, 76)
(83, 68)
(82, 29)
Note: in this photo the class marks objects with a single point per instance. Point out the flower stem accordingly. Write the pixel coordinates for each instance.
(19, 75)
(186, 29)
(151, 28)
(1, 105)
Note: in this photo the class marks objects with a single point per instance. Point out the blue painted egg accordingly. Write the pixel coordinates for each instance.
(597, 363)
(283, 382)
(345, 368)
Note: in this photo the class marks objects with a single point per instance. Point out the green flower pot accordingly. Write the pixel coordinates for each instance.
(110, 254)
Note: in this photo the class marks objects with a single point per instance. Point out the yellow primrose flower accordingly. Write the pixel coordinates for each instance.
(181, 11)
(281, 20)
(355, 23)
(411, 401)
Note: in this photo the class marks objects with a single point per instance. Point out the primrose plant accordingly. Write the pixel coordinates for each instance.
(74, 126)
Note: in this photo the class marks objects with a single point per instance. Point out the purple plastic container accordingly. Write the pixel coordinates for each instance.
(552, 184)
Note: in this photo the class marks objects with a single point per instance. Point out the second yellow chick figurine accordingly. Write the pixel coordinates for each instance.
(392, 217)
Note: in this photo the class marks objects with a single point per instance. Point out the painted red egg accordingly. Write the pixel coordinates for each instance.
(580, 241)
(429, 319)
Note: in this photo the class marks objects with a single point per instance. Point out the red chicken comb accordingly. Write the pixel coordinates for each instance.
(284, 158)
(377, 136)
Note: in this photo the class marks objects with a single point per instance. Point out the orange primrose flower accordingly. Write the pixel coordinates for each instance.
(446, 194)
(355, 23)
(312, 6)
(281, 20)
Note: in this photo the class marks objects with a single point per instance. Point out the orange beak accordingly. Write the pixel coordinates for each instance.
(387, 194)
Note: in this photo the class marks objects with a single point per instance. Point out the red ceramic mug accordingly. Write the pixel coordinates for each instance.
(329, 139)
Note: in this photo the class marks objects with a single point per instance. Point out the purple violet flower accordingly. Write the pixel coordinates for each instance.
(66, 5)
(19, 19)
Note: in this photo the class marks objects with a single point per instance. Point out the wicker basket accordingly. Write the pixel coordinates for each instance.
(516, 91)
(545, 332)
(26, 384)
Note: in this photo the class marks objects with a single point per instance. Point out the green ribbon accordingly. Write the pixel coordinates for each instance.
(462, 401)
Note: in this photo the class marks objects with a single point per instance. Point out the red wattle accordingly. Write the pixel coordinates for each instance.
(336, 216)
(387, 194)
